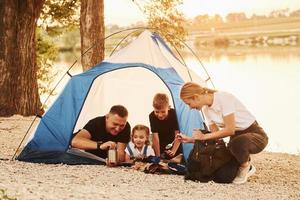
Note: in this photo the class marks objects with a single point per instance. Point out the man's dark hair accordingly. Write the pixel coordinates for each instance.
(119, 110)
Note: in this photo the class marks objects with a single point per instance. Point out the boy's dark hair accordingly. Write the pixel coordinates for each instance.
(160, 101)
(119, 110)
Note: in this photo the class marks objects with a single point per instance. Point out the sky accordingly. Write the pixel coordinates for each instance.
(125, 12)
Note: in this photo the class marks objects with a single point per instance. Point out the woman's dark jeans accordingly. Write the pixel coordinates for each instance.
(249, 141)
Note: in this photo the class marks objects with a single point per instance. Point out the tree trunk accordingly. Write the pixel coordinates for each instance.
(92, 32)
(18, 68)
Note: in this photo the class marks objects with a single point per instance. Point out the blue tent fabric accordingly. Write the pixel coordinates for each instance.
(56, 157)
(53, 134)
(55, 129)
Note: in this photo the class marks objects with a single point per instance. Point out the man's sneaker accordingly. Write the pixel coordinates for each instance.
(243, 174)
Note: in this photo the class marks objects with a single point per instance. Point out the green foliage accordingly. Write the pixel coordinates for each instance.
(3, 195)
(164, 17)
(46, 54)
(57, 17)
(69, 46)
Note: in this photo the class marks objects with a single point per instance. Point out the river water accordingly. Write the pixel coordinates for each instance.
(267, 82)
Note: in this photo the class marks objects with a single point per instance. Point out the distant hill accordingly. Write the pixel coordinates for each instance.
(283, 31)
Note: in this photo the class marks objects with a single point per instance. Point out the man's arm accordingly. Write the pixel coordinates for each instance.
(155, 144)
(82, 140)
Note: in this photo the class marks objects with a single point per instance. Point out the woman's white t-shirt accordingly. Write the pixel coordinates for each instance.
(137, 153)
(224, 104)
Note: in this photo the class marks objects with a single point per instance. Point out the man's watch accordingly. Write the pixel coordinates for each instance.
(99, 144)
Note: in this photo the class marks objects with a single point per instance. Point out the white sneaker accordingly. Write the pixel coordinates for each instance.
(243, 174)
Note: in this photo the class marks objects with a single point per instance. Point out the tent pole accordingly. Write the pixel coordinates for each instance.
(194, 54)
(136, 30)
(184, 63)
(122, 41)
(13, 157)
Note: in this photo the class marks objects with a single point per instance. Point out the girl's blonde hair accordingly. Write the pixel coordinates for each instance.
(189, 90)
(141, 127)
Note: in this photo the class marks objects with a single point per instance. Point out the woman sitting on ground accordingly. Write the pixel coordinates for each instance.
(226, 116)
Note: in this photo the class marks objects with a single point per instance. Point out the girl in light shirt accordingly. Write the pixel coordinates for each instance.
(138, 147)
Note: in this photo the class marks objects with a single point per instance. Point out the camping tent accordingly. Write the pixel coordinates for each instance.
(130, 77)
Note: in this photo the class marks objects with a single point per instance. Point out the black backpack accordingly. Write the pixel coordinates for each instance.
(211, 160)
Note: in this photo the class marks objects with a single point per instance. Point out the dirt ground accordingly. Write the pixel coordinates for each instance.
(277, 177)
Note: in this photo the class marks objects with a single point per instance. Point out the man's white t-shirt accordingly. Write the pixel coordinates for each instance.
(137, 153)
(224, 104)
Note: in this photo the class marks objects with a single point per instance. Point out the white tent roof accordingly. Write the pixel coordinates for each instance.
(149, 50)
(133, 87)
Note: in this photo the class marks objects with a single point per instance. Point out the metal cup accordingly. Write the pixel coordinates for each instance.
(112, 156)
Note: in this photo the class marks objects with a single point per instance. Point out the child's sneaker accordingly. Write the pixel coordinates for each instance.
(177, 168)
(243, 174)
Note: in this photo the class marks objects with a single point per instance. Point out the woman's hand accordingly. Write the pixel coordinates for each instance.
(198, 135)
(184, 138)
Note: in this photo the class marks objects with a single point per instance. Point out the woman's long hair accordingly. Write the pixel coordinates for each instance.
(189, 90)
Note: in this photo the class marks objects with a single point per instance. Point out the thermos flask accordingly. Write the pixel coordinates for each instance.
(112, 156)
